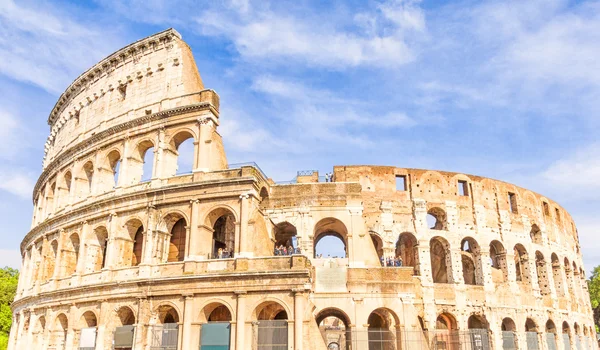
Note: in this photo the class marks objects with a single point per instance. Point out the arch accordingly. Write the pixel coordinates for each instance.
(166, 314)
(182, 147)
(530, 325)
(270, 310)
(542, 274)
(134, 248)
(125, 316)
(177, 242)
(522, 264)
(67, 181)
(441, 261)
(113, 162)
(378, 244)
(223, 222)
(569, 277)
(407, 250)
(477, 321)
(264, 197)
(58, 336)
(330, 227)
(71, 254)
(535, 234)
(471, 261)
(285, 234)
(437, 219)
(96, 250)
(557, 274)
(382, 330)
(88, 319)
(85, 180)
(576, 328)
(550, 327)
(50, 263)
(141, 163)
(508, 325)
(337, 323)
(216, 311)
(498, 262)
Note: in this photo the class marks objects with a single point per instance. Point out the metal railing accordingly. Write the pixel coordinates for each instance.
(306, 172)
(252, 164)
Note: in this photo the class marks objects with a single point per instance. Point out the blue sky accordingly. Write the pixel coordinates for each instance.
(504, 89)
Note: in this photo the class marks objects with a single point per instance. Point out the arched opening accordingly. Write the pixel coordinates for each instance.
(216, 327)
(114, 167)
(566, 335)
(378, 245)
(223, 239)
(165, 334)
(535, 234)
(330, 239)
(50, 264)
(86, 180)
(58, 337)
(285, 238)
(522, 264)
(335, 329)
(182, 145)
(436, 219)
(38, 333)
(441, 262)
(471, 262)
(177, 241)
(551, 334)
(557, 275)
(576, 286)
(272, 326)
(264, 197)
(446, 336)
(125, 330)
(531, 334)
(66, 193)
(542, 273)
(50, 199)
(569, 278)
(71, 254)
(407, 251)
(141, 164)
(509, 334)
(478, 331)
(96, 252)
(383, 329)
(133, 250)
(87, 332)
(498, 262)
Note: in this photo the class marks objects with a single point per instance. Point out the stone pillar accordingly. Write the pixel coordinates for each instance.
(194, 240)
(203, 145)
(455, 274)
(140, 328)
(486, 269)
(82, 254)
(240, 336)
(123, 177)
(110, 241)
(12, 336)
(354, 237)
(243, 250)
(159, 163)
(188, 315)
(103, 320)
(298, 319)
(149, 239)
(73, 321)
(424, 252)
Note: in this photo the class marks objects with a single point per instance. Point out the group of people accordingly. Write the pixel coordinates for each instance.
(289, 250)
(224, 253)
(328, 177)
(391, 262)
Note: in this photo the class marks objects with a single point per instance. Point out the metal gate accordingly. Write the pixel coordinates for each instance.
(380, 339)
(272, 335)
(566, 341)
(164, 336)
(532, 340)
(215, 336)
(509, 340)
(551, 341)
(123, 338)
(87, 339)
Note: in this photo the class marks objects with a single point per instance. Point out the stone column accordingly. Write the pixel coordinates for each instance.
(157, 168)
(123, 177)
(194, 240)
(103, 319)
(149, 239)
(140, 327)
(455, 274)
(240, 336)
(188, 315)
(110, 241)
(73, 321)
(82, 253)
(203, 146)
(298, 319)
(12, 336)
(243, 250)
(486, 270)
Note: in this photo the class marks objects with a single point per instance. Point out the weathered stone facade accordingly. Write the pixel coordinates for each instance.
(111, 252)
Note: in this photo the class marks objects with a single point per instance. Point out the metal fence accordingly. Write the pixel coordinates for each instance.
(272, 335)
(164, 336)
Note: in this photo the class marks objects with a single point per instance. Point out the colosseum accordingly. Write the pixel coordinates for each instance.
(130, 251)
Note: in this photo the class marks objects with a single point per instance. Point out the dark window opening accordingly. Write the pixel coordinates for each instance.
(557, 214)
(400, 183)
(463, 188)
(546, 209)
(512, 199)
(123, 90)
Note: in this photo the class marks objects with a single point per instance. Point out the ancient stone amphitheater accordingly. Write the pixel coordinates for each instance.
(127, 252)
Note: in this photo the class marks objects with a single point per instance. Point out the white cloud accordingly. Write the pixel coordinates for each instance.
(12, 136)
(10, 258)
(16, 183)
(40, 46)
(265, 35)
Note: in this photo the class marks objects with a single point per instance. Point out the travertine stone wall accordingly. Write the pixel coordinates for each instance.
(107, 249)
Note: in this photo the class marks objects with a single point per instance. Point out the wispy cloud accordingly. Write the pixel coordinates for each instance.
(17, 183)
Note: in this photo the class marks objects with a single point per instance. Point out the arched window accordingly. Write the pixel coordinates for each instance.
(382, 331)
(441, 262)
(436, 219)
(272, 325)
(406, 249)
(58, 337)
(531, 333)
(141, 162)
(71, 254)
(132, 248)
(536, 234)
(446, 332)
(557, 275)
(471, 262)
(542, 273)
(522, 264)
(498, 262)
(177, 241)
(138, 247)
(330, 239)
(223, 239)
(285, 236)
(86, 180)
(96, 250)
(569, 278)
(180, 160)
(377, 244)
(509, 335)
(66, 193)
(50, 263)
(334, 325)
(551, 334)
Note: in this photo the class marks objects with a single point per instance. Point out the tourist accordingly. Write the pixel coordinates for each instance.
(290, 250)
(400, 261)
(220, 253)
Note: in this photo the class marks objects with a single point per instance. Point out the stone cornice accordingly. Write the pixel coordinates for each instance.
(106, 65)
(87, 143)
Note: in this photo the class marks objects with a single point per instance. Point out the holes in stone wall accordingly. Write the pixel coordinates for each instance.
(463, 188)
(400, 182)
